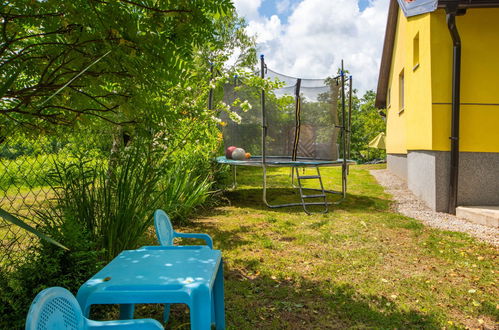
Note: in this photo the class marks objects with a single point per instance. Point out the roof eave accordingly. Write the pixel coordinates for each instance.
(386, 57)
(470, 3)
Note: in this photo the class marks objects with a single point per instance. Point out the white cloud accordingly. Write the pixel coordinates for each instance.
(320, 33)
(248, 8)
(283, 6)
(265, 29)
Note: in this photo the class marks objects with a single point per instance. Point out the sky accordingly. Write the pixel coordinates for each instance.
(309, 38)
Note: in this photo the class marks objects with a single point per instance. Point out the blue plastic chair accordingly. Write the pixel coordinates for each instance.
(56, 308)
(166, 235)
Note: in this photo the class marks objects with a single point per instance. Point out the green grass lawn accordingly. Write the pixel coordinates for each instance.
(21, 201)
(359, 266)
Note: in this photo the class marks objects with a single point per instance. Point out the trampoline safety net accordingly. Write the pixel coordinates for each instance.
(301, 118)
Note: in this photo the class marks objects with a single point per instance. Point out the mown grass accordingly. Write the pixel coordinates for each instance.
(359, 266)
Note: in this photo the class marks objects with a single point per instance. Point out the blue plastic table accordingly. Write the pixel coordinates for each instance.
(191, 275)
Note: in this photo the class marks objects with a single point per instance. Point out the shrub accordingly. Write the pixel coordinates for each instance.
(101, 207)
(114, 203)
(47, 265)
(184, 187)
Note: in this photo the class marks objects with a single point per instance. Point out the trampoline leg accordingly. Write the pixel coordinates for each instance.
(234, 177)
(293, 178)
(344, 173)
(303, 204)
(264, 192)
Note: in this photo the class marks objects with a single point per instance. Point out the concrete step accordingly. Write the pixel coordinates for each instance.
(483, 215)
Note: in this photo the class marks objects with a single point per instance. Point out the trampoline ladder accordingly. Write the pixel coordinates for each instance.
(304, 197)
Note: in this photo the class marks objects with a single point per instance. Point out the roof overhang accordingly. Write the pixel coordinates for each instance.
(464, 4)
(417, 7)
(386, 56)
(411, 8)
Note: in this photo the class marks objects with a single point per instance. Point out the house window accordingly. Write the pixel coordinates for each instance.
(415, 52)
(401, 91)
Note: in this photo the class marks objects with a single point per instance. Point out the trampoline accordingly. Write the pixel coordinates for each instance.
(305, 123)
(274, 161)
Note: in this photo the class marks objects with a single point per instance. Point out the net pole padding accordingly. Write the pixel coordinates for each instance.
(349, 119)
(264, 117)
(264, 134)
(343, 135)
(297, 119)
(335, 90)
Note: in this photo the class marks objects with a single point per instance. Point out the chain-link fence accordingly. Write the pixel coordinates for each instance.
(26, 162)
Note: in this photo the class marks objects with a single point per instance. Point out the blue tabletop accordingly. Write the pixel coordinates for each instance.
(164, 268)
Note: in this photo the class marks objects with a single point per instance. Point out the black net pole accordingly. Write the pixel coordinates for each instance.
(297, 119)
(264, 135)
(264, 118)
(349, 126)
(343, 131)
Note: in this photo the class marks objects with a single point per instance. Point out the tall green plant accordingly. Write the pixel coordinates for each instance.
(184, 189)
(115, 209)
(127, 201)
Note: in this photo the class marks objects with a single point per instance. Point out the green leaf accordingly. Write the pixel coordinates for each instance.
(18, 222)
(9, 82)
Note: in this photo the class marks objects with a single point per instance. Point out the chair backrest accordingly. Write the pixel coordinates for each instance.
(164, 229)
(55, 308)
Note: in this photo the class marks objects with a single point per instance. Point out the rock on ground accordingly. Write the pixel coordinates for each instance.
(406, 203)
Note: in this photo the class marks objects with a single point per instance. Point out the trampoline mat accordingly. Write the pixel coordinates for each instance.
(280, 161)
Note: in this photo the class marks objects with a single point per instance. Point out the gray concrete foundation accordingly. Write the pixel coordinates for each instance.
(428, 177)
(422, 179)
(397, 164)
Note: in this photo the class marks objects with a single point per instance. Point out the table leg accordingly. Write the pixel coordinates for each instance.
(219, 298)
(200, 308)
(127, 311)
(166, 313)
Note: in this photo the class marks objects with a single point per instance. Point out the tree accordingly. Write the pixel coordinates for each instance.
(366, 124)
(67, 61)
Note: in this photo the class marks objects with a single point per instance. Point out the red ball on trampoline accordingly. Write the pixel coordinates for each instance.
(228, 152)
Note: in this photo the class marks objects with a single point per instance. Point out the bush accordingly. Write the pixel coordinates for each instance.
(184, 187)
(113, 201)
(101, 207)
(48, 265)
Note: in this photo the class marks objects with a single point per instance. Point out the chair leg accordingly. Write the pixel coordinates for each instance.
(86, 311)
(166, 313)
(219, 298)
(127, 311)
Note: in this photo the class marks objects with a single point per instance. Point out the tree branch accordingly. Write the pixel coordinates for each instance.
(163, 11)
(9, 17)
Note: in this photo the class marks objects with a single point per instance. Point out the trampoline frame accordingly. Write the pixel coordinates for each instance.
(295, 166)
(301, 162)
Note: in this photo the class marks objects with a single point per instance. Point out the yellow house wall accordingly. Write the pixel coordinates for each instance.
(479, 126)
(410, 128)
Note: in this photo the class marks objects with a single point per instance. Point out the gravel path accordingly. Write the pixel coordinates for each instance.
(409, 205)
